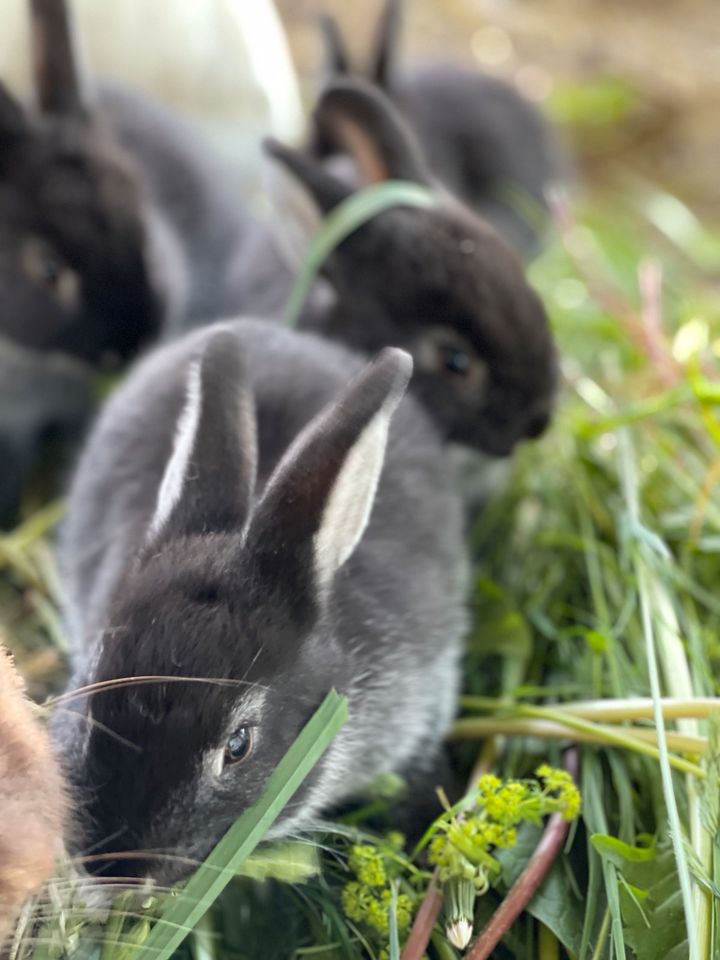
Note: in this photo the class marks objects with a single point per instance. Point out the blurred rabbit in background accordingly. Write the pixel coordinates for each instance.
(485, 141)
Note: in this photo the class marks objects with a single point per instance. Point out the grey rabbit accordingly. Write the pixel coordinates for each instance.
(261, 507)
(440, 282)
(487, 142)
(32, 799)
(116, 224)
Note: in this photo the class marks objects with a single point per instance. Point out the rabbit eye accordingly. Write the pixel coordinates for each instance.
(239, 746)
(455, 361)
(45, 268)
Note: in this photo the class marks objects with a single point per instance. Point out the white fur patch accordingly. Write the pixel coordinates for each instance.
(176, 470)
(348, 507)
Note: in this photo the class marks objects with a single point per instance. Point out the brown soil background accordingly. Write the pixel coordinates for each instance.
(668, 50)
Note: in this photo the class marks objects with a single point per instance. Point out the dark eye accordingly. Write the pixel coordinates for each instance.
(239, 746)
(49, 269)
(455, 361)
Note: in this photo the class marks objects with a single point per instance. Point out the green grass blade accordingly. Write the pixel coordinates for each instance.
(205, 886)
(352, 213)
(630, 490)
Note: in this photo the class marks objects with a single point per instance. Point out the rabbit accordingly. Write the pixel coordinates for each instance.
(484, 140)
(115, 219)
(116, 225)
(440, 282)
(32, 799)
(236, 515)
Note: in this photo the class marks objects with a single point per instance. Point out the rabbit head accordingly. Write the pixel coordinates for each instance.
(234, 588)
(439, 282)
(76, 266)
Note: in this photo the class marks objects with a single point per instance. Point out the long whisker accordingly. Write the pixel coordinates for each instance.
(102, 685)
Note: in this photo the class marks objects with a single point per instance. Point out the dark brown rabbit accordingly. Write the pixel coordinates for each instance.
(439, 282)
(32, 798)
(483, 139)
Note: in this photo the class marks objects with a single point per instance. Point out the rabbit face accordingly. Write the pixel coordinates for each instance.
(437, 281)
(74, 273)
(443, 286)
(169, 765)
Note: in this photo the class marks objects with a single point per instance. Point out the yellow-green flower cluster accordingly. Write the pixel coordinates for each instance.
(368, 898)
(560, 791)
(463, 846)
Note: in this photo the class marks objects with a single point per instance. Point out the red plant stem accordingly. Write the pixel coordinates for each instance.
(424, 922)
(525, 887)
(430, 908)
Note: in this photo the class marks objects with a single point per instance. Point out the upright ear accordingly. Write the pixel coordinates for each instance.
(337, 59)
(317, 502)
(59, 85)
(362, 122)
(385, 44)
(210, 477)
(301, 191)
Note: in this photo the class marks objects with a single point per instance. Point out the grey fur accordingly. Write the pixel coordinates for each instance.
(388, 636)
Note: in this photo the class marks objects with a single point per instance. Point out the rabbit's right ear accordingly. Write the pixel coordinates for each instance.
(59, 83)
(317, 502)
(337, 59)
(385, 44)
(209, 479)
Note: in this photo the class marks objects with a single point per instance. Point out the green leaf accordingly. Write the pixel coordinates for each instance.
(207, 883)
(621, 853)
(352, 213)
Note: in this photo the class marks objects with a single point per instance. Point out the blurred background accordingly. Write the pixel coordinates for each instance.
(635, 86)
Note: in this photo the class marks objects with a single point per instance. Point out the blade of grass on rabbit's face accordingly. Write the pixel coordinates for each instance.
(205, 886)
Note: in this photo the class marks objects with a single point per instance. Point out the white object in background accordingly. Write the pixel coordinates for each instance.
(225, 63)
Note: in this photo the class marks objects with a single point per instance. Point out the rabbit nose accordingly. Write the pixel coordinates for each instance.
(537, 425)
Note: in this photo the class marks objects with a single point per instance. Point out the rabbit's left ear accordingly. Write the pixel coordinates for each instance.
(59, 82)
(317, 502)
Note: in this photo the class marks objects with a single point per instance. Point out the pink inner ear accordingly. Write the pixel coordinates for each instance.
(359, 145)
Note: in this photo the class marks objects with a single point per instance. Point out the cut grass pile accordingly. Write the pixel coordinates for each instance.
(597, 622)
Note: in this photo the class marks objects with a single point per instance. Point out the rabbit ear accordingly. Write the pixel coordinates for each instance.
(384, 49)
(59, 83)
(301, 191)
(360, 120)
(337, 58)
(210, 477)
(317, 502)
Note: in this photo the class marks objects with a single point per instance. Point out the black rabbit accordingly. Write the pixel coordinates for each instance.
(438, 282)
